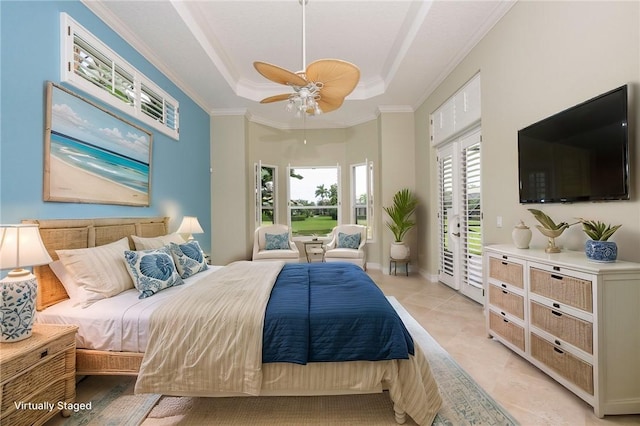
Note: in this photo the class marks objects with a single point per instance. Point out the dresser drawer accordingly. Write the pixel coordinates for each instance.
(18, 389)
(53, 393)
(564, 363)
(11, 367)
(506, 271)
(564, 326)
(565, 289)
(508, 330)
(507, 301)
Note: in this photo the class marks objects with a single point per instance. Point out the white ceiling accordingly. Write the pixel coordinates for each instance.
(404, 48)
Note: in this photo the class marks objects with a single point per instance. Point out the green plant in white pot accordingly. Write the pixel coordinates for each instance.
(597, 247)
(401, 222)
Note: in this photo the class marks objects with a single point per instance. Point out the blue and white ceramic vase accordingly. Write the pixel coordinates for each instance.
(18, 307)
(601, 251)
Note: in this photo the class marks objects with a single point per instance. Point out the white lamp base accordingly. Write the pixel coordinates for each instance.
(18, 309)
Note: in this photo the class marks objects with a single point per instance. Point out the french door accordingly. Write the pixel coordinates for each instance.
(460, 215)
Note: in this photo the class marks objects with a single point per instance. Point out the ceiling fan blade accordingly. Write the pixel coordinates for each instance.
(329, 104)
(275, 98)
(338, 77)
(279, 75)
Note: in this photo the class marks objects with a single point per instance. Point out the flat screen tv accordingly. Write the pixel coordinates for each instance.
(580, 154)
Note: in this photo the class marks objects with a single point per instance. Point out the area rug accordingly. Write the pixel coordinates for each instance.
(115, 406)
(464, 402)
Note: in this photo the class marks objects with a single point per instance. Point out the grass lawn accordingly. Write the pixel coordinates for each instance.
(319, 225)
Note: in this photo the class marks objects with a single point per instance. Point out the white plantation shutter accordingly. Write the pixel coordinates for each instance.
(97, 68)
(471, 215)
(445, 183)
(93, 67)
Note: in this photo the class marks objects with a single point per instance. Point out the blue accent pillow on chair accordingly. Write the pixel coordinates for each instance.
(152, 270)
(277, 241)
(351, 241)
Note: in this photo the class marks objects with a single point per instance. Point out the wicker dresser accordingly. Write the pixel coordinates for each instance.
(574, 319)
(38, 375)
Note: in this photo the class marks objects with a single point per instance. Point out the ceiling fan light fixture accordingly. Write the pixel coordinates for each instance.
(338, 78)
(304, 100)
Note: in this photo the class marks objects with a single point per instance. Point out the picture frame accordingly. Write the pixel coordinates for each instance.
(91, 155)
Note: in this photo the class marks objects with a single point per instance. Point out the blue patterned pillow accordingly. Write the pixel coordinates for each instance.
(189, 258)
(152, 270)
(277, 241)
(351, 241)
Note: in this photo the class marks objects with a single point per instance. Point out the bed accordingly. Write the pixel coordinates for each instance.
(408, 380)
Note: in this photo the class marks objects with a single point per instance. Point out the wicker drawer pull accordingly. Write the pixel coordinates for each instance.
(44, 353)
(557, 342)
(556, 305)
(557, 277)
(503, 285)
(560, 351)
(556, 313)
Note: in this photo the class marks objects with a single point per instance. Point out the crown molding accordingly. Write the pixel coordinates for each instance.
(116, 25)
(395, 108)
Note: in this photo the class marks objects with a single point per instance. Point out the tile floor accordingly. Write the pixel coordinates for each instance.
(457, 323)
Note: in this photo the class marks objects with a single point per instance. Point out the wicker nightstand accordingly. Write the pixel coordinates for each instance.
(38, 375)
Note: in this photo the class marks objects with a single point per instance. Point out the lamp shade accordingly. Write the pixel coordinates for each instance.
(190, 225)
(20, 246)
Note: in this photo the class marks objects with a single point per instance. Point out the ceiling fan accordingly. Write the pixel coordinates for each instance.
(319, 88)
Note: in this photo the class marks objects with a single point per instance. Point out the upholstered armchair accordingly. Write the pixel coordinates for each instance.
(347, 245)
(272, 242)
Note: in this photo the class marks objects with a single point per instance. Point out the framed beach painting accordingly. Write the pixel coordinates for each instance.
(92, 155)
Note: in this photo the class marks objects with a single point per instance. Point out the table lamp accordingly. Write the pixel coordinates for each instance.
(20, 246)
(190, 226)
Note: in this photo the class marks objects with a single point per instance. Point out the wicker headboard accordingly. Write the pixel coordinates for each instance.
(59, 234)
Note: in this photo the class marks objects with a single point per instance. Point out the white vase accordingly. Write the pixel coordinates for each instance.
(521, 236)
(399, 251)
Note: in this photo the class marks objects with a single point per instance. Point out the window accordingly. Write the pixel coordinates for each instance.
(314, 200)
(90, 65)
(362, 196)
(266, 194)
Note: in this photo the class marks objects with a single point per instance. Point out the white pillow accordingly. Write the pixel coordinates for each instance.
(69, 284)
(101, 271)
(151, 243)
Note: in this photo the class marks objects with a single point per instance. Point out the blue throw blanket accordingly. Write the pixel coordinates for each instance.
(322, 312)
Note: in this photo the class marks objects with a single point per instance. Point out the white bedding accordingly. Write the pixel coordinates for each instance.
(119, 323)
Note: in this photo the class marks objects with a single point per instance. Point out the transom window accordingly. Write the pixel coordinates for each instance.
(92, 66)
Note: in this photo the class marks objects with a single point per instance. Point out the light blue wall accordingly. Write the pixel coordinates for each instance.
(30, 47)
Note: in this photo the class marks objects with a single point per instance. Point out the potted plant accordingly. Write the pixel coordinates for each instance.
(404, 204)
(597, 247)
